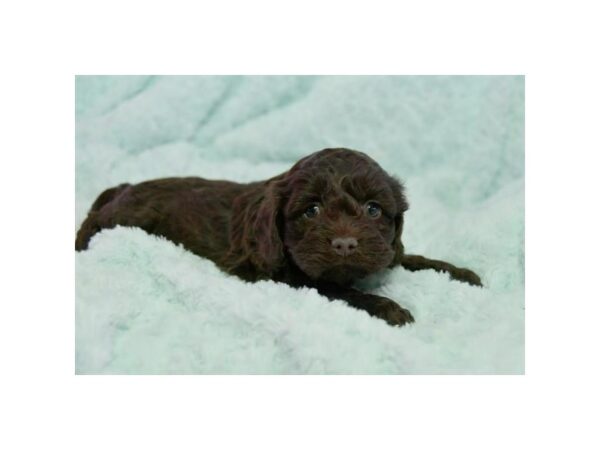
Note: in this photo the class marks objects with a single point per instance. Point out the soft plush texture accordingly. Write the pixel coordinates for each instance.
(144, 305)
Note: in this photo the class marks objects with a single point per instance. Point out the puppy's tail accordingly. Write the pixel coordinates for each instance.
(91, 225)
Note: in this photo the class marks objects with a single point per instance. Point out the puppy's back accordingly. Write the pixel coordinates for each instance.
(180, 209)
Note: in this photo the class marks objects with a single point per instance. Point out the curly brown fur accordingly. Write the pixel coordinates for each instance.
(334, 217)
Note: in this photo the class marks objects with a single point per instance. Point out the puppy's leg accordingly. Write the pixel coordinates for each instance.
(417, 262)
(89, 227)
(380, 307)
(99, 218)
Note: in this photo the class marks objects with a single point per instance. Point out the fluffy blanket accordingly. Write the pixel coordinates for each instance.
(147, 306)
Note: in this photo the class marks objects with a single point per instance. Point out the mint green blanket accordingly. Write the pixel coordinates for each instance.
(146, 306)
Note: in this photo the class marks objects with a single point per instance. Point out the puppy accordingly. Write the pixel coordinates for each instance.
(333, 218)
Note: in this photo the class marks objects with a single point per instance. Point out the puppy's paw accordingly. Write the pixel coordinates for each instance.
(394, 314)
(466, 276)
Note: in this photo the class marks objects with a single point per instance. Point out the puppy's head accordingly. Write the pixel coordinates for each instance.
(336, 214)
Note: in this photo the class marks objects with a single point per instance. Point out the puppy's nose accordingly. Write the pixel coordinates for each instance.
(344, 246)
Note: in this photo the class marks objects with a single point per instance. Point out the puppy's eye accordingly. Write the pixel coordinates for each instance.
(373, 209)
(311, 211)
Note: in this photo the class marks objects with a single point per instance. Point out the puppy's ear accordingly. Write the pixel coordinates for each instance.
(267, 231)
(256, 249)
(401, 208)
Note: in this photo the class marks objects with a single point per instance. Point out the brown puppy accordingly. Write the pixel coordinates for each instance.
(333, 218)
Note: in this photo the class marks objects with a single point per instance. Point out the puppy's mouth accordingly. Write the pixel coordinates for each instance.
(338, 269)
(343, 273)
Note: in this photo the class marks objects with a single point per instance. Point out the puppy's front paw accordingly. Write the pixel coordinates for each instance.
(394, 314)
(466, 276)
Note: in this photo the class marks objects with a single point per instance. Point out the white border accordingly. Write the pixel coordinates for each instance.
(46, 43)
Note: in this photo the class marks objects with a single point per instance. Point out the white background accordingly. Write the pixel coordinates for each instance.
(44, 44)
